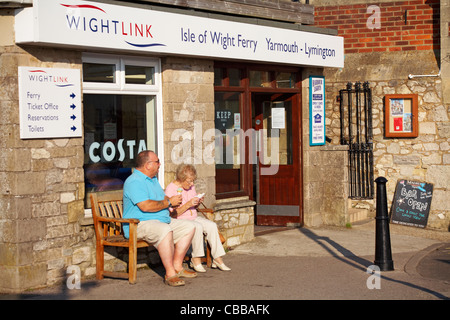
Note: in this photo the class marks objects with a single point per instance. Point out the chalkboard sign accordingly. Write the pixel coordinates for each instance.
(412, 201)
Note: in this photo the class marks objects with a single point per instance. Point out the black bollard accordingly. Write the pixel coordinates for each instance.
(383, 254)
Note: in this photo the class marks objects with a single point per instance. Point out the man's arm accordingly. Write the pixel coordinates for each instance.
(158, 205)
(153, 205)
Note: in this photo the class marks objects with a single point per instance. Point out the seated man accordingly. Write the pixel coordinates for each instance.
(144, 199)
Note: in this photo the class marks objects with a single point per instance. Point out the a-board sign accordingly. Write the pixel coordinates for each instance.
(411, 204)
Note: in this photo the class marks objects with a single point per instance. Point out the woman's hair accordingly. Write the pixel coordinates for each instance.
(185, 170)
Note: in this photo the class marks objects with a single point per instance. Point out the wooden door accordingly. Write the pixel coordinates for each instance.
(278, 194)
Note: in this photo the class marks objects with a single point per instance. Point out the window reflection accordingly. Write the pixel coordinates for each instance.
(139, 75)
(259, 79)
(96, 72)
(285, 79)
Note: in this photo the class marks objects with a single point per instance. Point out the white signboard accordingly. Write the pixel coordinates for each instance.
(316, 110)
(75, 23)
(278, 118)
(49, 103)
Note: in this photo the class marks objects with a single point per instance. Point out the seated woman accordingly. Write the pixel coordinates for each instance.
(184, 184)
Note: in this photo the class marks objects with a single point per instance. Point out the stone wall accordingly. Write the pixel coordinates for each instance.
(326, 186)
(188, 95)
(42, 184)
(425, 158)
(325, 172)
(188, 109)
(235, 219)
(384, 48)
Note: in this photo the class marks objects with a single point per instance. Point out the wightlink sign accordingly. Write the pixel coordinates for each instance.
(71, 23)
(49, 103)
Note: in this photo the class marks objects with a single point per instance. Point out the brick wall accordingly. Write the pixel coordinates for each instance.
(382, 27)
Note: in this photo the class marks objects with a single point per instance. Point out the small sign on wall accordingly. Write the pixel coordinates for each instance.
(49, 103)
(316, 110)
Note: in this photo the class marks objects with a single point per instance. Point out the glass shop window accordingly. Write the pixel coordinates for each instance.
(228, 152)
(120, 107)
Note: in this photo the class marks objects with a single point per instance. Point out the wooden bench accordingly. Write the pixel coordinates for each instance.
(107, 212)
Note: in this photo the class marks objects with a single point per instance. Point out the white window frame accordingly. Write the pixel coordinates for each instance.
(120, 87)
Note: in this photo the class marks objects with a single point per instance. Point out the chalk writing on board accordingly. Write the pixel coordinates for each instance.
(411, 204)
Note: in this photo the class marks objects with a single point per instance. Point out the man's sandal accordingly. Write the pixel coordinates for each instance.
(186, 273)
(173, 281)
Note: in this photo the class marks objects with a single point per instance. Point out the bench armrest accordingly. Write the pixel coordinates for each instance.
(118, 220)
(207, 213)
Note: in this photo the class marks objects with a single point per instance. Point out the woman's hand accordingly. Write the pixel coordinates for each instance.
(194, 202)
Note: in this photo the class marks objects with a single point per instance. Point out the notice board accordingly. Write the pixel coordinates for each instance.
(411, 204)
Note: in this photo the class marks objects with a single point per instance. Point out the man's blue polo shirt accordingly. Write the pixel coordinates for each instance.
(137, 188)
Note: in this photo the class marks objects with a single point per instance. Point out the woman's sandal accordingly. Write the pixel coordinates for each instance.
(174, 281)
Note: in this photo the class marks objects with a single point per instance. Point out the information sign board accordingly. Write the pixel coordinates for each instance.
(49, 103)
(316, 110)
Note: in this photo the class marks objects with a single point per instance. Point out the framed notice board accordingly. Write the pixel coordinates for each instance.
(411, 204)
(401, 119)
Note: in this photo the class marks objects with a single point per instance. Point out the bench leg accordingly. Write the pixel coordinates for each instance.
(100, 256)
(132, 261)
(208, 256)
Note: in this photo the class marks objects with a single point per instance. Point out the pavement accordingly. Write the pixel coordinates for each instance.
(291, 264)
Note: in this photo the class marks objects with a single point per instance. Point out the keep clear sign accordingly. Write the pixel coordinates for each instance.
(49, 103)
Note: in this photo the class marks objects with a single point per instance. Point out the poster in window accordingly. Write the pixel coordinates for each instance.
(401, 116)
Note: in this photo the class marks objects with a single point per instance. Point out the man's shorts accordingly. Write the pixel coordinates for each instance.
(154, 231)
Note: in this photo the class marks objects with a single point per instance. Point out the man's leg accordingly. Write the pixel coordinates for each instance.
(161, 235)
(181, 247)
(166, 253)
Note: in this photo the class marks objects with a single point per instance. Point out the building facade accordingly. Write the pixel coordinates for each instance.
(244, 90)
(87, 85)
(401, 48)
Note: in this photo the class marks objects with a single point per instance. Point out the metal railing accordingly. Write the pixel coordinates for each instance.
(357, 133)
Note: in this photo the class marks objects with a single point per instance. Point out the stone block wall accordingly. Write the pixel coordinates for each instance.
(326, 186)
(42, 184)
(425, 158)
(384, 43)
(325, 171)
(235, 219)
(188, 97)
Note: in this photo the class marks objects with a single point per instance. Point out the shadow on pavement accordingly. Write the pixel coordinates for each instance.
(360, 263)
